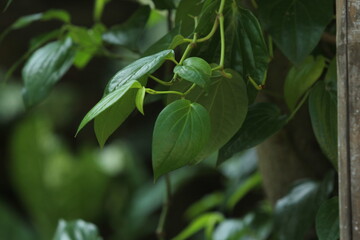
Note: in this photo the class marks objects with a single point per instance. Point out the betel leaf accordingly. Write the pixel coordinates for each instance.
(44, 68)
(207, 16)
(195, 70)
(295, 213)
(128, 34)
(262, 121)
(206, 221)
(227, 103)
(108, 121)
(246, 50)
(300, 78)
(138, 69)
(296, 26)
(323, 114)
(139, 101)
(108, 101)
(76, 230)
(170, 41)
(181, 131)
(327, 220)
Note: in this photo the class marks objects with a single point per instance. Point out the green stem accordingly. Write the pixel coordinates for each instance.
(160, 229)
(189, 90)
(222, 36)
(257, 86)
(222, 5)
(298, 106)
(154, 92)
(160, 81)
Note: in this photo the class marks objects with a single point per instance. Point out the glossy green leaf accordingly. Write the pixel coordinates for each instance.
(195, 70)
(300, 78)
(184, 11)
(204, 204)
(181, 131)
(170, 41)
(227, 103)
(295, 213)
(262, 121)
(327, 220)
(323, 114)
(246, 50)
(138, 69)
(99, 8)
(128, 34)
(107, 102)
(139, 101)
(207, 16)
(76, 230)
(296, 26)
(206, 221)
(44, 68)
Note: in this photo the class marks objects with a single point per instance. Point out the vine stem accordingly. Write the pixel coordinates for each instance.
(222, 37)
(298, 106)
(160, 232)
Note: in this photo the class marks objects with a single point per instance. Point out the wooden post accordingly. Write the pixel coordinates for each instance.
(348, 62)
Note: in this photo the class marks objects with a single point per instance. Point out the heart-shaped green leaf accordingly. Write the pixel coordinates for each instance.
(138, 69)
(300, 78)
(262, 121)
(107, 102)
(181, 131)
(195, 70)
(327, 220)
(44, 68)
(296, 26)
(227, 103)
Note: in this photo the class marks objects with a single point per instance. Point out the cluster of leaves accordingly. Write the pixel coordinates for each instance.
(222, 64)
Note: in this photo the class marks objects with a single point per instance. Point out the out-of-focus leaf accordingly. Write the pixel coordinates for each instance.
(295, 213)
(11, 226)
(226, 102)
(249, 184)
(323, 114)
(128, 33)
(175, 143)
(7, 5)
(10, 102)
(204, 204)
(262, 121)
(44, 68)
(300, 78)
(138, 69)
(327, 220)
(76, 230)
(164, 4)
(206, 221)
(99, 8)
(296, 26)
(195, 70)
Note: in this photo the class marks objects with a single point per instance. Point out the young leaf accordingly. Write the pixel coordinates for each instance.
(76, 230)
(296, 26)
(262, 121)
(139, 101)
(138, 69)
(323, 114)
(300, 78)
(181, 131)
(227, 103)
(295, 213)
(206, 221)
(204, 204)
(128, 33)
(108, 101)
(44, 68)
(327, 220)
(195, 70)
